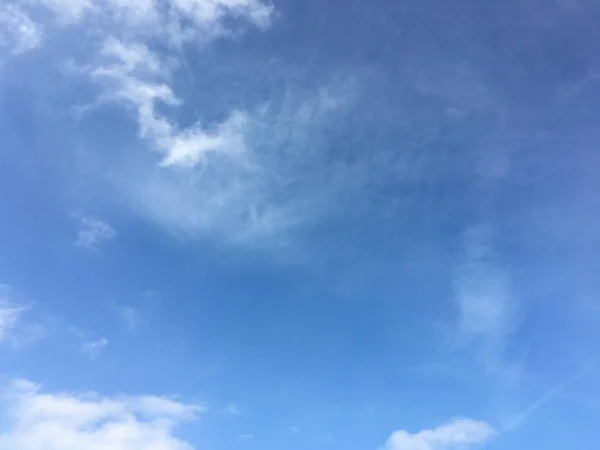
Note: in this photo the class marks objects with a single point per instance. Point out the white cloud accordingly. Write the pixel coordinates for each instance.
(135, 77)
(17, 31)
(460, 433)
(36, 420)
(235, 178)
(93, 348)
(486, 308)
(93, 233)
(178, 21)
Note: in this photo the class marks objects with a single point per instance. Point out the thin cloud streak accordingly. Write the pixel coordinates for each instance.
(531, 409)
(519, 419)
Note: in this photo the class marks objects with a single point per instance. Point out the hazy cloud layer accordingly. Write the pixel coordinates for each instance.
(94, 348)
(487, 309)
(18, 33)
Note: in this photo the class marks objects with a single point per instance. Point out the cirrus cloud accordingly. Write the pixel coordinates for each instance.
(255, 175)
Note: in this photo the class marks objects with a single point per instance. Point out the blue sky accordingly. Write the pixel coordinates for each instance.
(235, 224)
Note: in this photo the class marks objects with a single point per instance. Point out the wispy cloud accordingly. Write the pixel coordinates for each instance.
(134, 76)
(269, 180)
(93, 233)
(13, 328)
(94, 348)
(129, 315)
(37, 420)
(18, 32)
(232, 408)
(253, 177)
(460, 433)
(10, 314)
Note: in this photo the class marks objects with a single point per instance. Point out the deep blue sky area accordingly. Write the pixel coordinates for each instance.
(242, 224)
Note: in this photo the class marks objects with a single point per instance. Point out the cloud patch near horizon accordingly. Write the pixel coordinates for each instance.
(39, 420)
(458, 433)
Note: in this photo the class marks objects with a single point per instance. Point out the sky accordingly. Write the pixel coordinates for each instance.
(299, 224)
